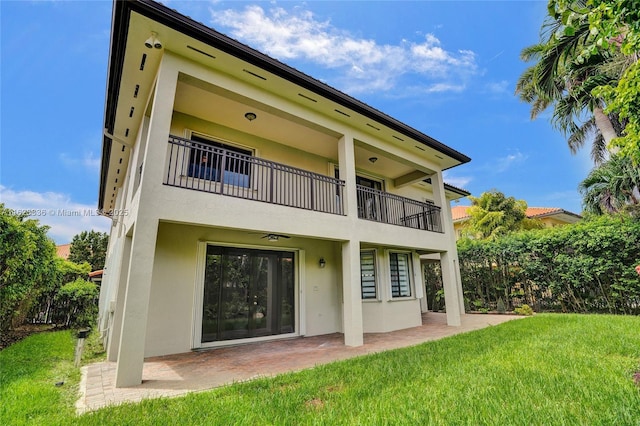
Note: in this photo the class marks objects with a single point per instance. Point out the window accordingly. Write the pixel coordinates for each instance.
(216, 161)
(400, 274)
(368, 274)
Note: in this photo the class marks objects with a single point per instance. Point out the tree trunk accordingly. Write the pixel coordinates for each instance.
(604, 124)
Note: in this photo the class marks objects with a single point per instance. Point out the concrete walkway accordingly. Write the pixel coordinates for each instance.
(175, 375)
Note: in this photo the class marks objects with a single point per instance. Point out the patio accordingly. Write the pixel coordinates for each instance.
(176, 375)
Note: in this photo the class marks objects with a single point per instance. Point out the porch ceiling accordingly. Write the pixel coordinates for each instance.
(216, 105)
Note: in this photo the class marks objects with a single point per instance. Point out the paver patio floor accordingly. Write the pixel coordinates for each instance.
(175, 375)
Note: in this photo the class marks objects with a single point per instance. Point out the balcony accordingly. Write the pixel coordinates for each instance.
(203, 167)
(380, 206)
(207, 168)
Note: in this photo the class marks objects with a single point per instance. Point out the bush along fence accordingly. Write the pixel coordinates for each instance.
(585, 267)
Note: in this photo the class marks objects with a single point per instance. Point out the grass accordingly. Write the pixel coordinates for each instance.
(549, 369)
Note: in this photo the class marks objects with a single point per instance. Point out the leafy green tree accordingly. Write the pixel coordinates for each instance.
(613, 187)
(90, 247)
(614, 27)
(45, 309)
(563, 79)
(493, 214)
(26, 265)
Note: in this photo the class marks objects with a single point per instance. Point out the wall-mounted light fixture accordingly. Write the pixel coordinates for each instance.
(322, 262)
(250, 116)
(373, 159)
(153, 41)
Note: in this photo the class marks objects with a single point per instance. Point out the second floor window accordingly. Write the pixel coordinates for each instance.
(219, 162)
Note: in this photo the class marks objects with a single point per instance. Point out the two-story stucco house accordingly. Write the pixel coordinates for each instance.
(252, 202)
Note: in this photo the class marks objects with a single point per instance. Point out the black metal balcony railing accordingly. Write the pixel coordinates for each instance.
(207, 168)
(383, 207)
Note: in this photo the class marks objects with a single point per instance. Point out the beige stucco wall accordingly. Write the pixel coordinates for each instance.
(170, 323)
(385, 313)
(171, 305)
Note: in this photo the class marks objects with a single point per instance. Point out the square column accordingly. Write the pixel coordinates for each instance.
(448, 259)
(352, 298)
(145, 230)
(136, 304)
(121, 290)
(347, 167)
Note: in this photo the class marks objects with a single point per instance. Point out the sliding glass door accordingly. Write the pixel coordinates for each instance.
(247, 293)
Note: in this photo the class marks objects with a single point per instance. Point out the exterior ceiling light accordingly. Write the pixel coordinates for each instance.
(250, 116)
(274, 237)
(373, 159)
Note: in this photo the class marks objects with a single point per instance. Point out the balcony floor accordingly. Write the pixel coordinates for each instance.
(176, 375)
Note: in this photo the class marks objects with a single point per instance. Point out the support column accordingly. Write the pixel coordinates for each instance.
(447, 259)
(136, 304)
(352, 298)
(143, 243)
(347, 166)
(121, 290)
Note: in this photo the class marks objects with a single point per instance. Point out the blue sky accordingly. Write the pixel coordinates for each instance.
(447, 69)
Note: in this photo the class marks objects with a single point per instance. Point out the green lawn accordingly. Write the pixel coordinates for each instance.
(544, 370)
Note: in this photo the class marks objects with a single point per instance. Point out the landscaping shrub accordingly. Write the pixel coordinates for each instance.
(524, 310)
(584, 267)
(77, 304)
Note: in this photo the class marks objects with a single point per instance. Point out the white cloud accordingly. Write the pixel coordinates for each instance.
(457, 181)
(503, 163)
(444, 87)
(88, 161)
(65, 217)
(497, 88)
(366, 66)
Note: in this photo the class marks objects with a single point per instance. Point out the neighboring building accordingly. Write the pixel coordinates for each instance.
(63, 251)
(96, 276)
(549, 216)
(252, 202)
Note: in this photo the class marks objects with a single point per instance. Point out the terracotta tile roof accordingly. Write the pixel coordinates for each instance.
(63, 251)
(542, 211)
(459, 213)
(97, 273)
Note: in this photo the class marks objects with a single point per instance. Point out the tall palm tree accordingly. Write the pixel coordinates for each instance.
(563, 78)
(612, 187)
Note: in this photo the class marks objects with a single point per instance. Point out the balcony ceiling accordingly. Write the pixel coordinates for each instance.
(216, 105)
